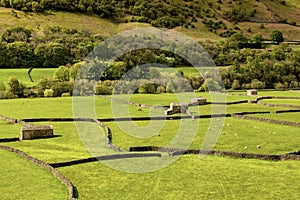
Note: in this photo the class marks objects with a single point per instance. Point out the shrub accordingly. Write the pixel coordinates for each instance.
(2, 86)
(160, 89)
(62, 87)
(170, 87)
(210, 85)
(66, 94)
(44, 83)
(147, 88)
(62, 74)
(48, 93)
(15, 87)
(103, 90)
(246, 86)
(256, 84)
(280, 86)
(7, 95)
(29, 93)
(236, 85)
(294, 84)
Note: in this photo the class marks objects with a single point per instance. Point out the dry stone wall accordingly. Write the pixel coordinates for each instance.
(49, 168)
(176, 152)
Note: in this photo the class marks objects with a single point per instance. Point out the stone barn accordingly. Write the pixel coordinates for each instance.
(251, 92)
(198, 101)
(177, 108)
(34, 132)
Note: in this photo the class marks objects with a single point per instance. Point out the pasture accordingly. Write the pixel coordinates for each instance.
(189, 176)
(21, 75)
(23, 180)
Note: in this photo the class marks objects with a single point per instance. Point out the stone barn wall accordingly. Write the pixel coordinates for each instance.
(198, 101)
(251, 92)
(33, 132)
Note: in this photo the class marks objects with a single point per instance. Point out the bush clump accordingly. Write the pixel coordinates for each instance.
(48, 93)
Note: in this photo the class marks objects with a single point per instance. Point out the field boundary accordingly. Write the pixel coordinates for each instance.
(286, 111)
(52, 170)
(176, 152)
(107, 157)
(267, 120)
(8, 119)
(278, 105)
(108, 134)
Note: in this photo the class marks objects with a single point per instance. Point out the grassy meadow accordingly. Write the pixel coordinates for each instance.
(291, 117)
(295, 102)
(165, 177)
(188, 177)
(21, 75)
(21, 179)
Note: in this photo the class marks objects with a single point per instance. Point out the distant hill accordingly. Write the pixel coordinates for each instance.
(212, 20)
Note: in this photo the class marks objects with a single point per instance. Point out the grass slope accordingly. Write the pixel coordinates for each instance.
(21, 179)
(191, 178)
(21, 75)
(266, 11)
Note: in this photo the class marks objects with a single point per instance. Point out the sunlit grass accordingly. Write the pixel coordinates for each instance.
(21, 179)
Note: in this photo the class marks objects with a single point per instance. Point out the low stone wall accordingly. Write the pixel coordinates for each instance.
(286, 111)
(8, 119)
(229, 103)
(261, 98)
(281, 122)
(106, 128)
(251, 113)
(177, 152)
(30, 132)
(9, 140)
(102, 158)
(277, 97)
(49, 168)
(277, 105)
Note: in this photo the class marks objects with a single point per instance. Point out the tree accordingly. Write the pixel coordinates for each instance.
(18, 54)
(43, 84)
(62, 74)
(210, 85)
(15, 87)
(50, 55)
(257, 39)
(256, 84)
(236, 84)
(277, 36)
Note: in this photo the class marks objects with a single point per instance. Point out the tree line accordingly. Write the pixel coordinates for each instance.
(250, 64)
(22, 47)
(166, 14)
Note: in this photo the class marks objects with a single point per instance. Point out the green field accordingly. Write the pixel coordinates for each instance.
(153, 178)
(291, 117)
(21, 75)
(291, 93)
(189, 177)
(21, 179)
(295, 102)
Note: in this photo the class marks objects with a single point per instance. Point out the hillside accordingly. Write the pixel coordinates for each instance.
(213, 20)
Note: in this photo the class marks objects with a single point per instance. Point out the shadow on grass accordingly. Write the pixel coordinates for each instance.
(101, 158)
